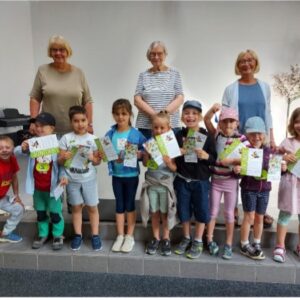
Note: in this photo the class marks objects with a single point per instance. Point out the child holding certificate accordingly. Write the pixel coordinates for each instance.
(224, 181)
(255, 190)
(289, 193)
(43, 177)
(79, 155)
(192, 181)
(127, 142)
(157, 195)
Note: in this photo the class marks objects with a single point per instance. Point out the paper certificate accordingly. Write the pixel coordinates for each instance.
(194, 140)
(41, 146)
(274, 170)
(80, 157)
(295, 167)
(107, 149)
(251, 162)
(234, 150)
(130, 156)
(58, 191)
(168, 145)
(152, 148)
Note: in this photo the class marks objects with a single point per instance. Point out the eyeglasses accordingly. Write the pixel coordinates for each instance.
(159, 54)
(245, 61)
(58, 49)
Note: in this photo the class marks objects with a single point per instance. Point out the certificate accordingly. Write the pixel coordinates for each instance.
(274, 170)
(194, 140)
(151, 146)
(130, 156)
(106, 148)
(58, 191)
(167, 144)
(80, 157)
(234, 150)
(41, 146)
(294, 168)
(251, 162)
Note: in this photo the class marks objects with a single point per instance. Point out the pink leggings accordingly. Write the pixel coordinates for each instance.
(229, 188)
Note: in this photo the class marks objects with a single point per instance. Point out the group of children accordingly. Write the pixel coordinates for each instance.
(176, 189)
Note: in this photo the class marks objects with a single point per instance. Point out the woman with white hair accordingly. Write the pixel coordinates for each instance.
(60, 85)
(250, 97)
(158, 88)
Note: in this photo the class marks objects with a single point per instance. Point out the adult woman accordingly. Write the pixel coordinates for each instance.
(250, 97)
(158, 88)
(60, 85)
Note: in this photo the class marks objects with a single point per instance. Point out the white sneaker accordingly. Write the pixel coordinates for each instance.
(128, 243)
(118, 243)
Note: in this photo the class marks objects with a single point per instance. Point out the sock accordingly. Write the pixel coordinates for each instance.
(198, 240)
(256, 241)
(187, 237)
(244, 243)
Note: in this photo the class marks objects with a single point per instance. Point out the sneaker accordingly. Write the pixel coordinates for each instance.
(152, 247)
(297, 250)
(227, 252)
(58, 243)
(279, 254)
(128, 243)
(257, 247)
(165, 247)
(39, 242)
(76, 242)
(213, 248)
(183, 246)
(118, 243)
(11, 238)
(195, 250)
(251, 252)
(96, 243)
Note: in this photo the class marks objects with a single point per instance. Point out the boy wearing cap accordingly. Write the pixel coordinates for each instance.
(43, 176)
(8, 177)
(192, 181)
(224, 180)
(254, 192)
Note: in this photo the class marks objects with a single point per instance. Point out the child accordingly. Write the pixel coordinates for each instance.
(224, 181)
(8, 177)
(42, 178)
(124, 179)
(158, 194)
(80, 149)
(254, 192)
(192, 182)
(288, 194)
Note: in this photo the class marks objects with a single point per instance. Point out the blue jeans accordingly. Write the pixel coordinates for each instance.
(125, 190)
(255, 201)
(192, 197)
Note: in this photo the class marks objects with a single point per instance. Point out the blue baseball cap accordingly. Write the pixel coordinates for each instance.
(192, 104)
(255, 124)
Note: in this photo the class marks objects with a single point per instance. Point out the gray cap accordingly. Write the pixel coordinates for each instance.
(192, 104)
(45, 119)
(255, 124)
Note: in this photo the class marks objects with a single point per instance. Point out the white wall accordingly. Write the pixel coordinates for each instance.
(110, 39)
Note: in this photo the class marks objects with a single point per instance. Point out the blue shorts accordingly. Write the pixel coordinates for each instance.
(83, 193)
(192, 197)
(255, 201)
(125, 190)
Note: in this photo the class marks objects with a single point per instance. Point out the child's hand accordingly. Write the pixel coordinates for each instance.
(167, 160)
(237, 169)
(283, 166)
(201, 154)
(290, 158)
(139, 154)
(94, 158)
(229, 162)
(183, 151)
(64, 181)
(216, 107)
(18, 200)
(25, 146)
(65, 155)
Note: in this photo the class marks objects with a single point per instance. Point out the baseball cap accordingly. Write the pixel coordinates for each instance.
(192, 104)
(45, 119)
(255, 124)
(228, 113)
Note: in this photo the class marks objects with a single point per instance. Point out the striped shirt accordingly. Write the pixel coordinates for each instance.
(158, 90)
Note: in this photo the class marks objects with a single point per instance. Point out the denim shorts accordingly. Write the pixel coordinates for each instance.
(255, 201)
(158, 198)
(83, 193)
(125, 190)
(192, 197)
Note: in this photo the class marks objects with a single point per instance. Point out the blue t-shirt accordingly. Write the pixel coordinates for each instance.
(119, 140)
(251, 103)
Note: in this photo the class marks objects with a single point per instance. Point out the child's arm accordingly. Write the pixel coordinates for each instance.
(95, 158)
(170, 163)
(63, 156)
(230, 162)
(208, 116)
(15, 188)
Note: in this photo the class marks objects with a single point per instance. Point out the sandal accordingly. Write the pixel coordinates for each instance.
(297, 250)
(268, 221)
(279, 254)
